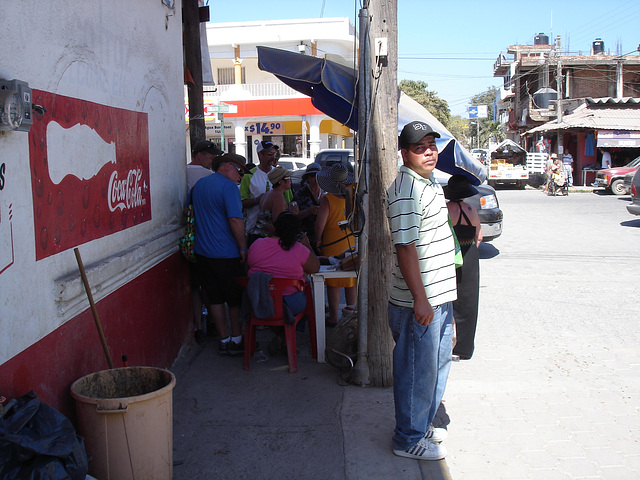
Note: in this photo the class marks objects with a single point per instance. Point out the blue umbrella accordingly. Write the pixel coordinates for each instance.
(331, 86)
(333, 90)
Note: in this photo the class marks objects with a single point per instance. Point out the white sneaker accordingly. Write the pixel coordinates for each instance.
(436, 435)
(423, 450)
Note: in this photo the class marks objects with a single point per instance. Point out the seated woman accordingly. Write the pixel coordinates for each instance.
(308, 197)
(271, 204)
(286, 254)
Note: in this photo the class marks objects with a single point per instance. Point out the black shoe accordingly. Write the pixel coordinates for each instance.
(223, 348)
(236, 348)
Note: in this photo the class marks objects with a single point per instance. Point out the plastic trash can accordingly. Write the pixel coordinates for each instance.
(126, 418)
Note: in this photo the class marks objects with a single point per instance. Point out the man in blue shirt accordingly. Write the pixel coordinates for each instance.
(220, 246)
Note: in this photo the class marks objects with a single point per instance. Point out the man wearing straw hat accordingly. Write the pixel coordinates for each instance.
(423, 287)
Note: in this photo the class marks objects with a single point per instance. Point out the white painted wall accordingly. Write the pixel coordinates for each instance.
(334, 34)
(111, 53)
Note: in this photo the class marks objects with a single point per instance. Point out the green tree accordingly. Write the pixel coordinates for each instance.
(418, 90)
(459, 128)
(489, 127)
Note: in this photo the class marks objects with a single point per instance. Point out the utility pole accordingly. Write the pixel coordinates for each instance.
(361, 369)
(193, 62)
(382, 138)
(560, 147)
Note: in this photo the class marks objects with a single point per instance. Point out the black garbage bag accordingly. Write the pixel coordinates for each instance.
(37, 442)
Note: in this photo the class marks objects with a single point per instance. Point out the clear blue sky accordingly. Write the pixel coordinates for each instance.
(453, 44)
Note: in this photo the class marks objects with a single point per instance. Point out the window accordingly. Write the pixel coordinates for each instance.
(227, 76)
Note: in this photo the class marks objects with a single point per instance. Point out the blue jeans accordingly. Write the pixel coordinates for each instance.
(421, 363)
(296, 302)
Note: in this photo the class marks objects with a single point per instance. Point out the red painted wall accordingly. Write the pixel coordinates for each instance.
(582, 160)
(148, 319)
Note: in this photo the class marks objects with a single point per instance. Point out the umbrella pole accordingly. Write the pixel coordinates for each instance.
(361, 370)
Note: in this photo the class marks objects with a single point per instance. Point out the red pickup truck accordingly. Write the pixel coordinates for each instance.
(613, 178)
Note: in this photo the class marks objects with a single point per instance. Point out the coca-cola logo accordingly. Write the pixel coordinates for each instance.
(90, 171)
(125, 193)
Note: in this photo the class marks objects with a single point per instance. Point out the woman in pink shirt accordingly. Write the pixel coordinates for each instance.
(286, 254)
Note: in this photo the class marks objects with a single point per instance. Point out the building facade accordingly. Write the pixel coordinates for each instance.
(101, 169)
(260, 106)
(543, 84)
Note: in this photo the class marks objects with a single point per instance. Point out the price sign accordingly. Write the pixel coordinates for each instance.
(264, 128)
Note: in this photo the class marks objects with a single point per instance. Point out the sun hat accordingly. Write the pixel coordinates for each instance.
(230, 157)
(335, 179)
(312, 169)
(458, 188)
(414, 132)
(278, 173)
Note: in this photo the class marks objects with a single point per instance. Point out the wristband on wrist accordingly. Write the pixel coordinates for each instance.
(243, 249)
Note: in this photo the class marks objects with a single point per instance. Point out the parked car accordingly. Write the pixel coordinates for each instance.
(329, 156)
(634, 206)
(481, 154)
(613, 178)
(628, 179)
(486, 204)
(297, 165)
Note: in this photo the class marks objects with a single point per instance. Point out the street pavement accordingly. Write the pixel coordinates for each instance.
(552, 392)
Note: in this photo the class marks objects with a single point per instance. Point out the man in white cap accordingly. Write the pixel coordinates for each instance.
(423, 289)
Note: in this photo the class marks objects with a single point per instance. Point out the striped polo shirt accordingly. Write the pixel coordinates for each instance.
(417, 213)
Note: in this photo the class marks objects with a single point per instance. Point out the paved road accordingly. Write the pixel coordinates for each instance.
(551, 393)
(553, 390)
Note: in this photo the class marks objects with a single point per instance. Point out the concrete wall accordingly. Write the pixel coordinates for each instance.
(102, 170)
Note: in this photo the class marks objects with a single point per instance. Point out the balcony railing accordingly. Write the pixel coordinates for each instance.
(502, 64)
(251, 90)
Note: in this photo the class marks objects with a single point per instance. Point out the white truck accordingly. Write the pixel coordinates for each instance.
(508, 165)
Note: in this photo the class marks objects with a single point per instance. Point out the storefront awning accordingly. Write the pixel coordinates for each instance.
(598, 114)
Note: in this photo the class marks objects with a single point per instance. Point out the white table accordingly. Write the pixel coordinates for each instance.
(317, 280)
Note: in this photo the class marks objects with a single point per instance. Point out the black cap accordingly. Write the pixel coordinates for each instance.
(206, 146)
(414, 132)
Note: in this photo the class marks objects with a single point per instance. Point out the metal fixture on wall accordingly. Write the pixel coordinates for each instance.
(15, 105)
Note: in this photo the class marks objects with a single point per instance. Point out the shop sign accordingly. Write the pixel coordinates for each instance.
(215, 128)
(211, 110)
(264, 128)
(619, 138)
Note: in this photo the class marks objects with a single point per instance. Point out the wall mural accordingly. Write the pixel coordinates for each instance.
(89, 171)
